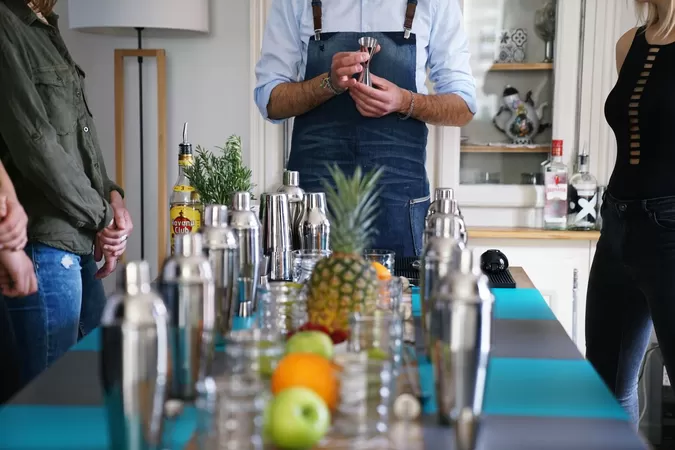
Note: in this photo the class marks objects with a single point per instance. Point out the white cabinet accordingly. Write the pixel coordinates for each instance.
(559, 269)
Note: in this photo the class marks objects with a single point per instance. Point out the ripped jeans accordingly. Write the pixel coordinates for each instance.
(67, 306)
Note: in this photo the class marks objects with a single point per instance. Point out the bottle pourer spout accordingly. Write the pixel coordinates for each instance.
(185, 133)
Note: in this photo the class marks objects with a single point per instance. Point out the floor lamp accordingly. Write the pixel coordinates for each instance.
(134, 17)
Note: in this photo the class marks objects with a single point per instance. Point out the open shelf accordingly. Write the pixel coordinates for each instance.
(543, 148)
(521, 66)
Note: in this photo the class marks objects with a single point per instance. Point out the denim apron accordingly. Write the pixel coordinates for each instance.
(336, 133)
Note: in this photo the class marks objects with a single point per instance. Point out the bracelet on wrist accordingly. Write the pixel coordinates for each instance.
(327, 83)
(411, 108)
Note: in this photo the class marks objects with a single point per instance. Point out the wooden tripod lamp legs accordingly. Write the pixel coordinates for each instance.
(162, 196)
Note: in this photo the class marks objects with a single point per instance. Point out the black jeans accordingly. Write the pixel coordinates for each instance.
(10, 381)
(631, 285)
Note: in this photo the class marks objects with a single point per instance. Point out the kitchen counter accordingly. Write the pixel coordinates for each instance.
(540, 395)
(531, 233)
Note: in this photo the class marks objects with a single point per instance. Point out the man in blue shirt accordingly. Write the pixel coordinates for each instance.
(309, 68)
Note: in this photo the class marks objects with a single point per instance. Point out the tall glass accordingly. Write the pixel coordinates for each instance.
(379, 335)
(282, 307)
(390, 295)
(382, 256)
(366, 390)
(251, 356)
(304, 262)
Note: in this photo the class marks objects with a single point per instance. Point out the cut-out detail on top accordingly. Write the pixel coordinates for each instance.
(639, 89)
(632, 113)
(644, 74)
(642, 81)
(654, 49)
(634, 120)
(651, 58)
(649, 65)
(634, 105)
(635, 136)
(634, 128)
(635, 97)
(634, 161)
(634, 145)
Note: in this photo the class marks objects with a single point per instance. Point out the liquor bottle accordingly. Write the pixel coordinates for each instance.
(582, 197)
(555, 189)
(185, 205)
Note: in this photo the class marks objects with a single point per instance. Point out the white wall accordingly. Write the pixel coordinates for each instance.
(207, 86)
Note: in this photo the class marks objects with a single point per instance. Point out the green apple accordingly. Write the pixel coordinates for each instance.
(311, 342)
(297, 419)
(377, 354)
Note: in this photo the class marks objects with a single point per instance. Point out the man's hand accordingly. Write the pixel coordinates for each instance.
(17, 275)
(13, 221)
(108, 267)
(113, 239)
(343, 68)
(381, 99)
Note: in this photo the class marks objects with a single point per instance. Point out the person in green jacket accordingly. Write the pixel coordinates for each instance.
(76, 214)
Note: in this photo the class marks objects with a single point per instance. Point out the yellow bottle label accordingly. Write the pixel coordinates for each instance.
(184, 220)
(185, 160)
(183, 188)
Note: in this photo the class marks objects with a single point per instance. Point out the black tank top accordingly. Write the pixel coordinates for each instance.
(641, 111)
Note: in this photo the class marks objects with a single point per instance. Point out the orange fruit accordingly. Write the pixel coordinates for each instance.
(382, 272)
(309, 371)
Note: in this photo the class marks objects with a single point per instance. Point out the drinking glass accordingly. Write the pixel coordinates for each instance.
(379, 335)
(304, 262)
(382, 256)
(366, 386)
(390, 295)
(282, 307)
(243, 390)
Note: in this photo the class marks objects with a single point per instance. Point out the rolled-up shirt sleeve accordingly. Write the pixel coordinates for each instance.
(281, 52)
(36, 152)
(449, 57)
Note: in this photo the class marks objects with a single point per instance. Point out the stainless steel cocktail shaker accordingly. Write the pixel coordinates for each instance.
(296, 207)
(460, 347)
(246, 226)
(314, 227)
(222, 250)
(446, 209)
(135, 361)
(439, 260)
(188, 290)
(276, 232)
(439, 193)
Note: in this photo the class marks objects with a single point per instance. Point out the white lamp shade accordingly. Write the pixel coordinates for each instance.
(114, 16)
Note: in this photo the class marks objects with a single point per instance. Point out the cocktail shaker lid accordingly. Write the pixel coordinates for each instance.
(190, 244)
(215, 216)
(291, 178)
(135, 278)
(241, 201)
(444, 192)
(315, 200)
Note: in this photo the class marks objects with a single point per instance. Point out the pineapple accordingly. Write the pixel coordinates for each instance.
(345, 282)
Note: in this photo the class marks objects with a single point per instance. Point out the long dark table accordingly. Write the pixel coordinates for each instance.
(541, 395)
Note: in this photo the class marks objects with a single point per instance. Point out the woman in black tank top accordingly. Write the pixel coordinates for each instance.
(632, 280)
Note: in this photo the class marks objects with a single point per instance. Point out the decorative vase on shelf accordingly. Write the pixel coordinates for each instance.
(544, 26)
(512, 46)
(519, 119)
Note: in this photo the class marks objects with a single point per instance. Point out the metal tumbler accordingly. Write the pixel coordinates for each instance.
(314, 227)
(246, 226)
(276, 226)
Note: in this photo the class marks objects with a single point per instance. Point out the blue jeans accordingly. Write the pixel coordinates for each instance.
(67, 306)
(631, 286)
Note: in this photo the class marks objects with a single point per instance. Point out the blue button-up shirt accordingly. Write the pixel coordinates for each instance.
(442, 46)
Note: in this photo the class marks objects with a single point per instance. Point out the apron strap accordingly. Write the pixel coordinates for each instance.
(409, 17)
(316, 13)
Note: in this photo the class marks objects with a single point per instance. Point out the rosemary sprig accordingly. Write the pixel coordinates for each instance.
(217, 176)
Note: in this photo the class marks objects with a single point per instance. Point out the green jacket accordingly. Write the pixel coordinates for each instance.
(48, 142)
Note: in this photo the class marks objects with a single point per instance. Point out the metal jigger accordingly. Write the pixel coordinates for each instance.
(368, 45)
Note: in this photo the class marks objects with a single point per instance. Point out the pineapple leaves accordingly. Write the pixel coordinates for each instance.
(353, 208)
(217, 176)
